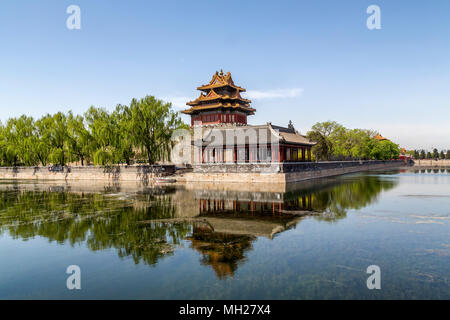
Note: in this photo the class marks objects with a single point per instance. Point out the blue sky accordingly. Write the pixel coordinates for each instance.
(305, 61)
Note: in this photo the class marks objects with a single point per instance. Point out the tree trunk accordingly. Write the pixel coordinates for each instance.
(149, 156)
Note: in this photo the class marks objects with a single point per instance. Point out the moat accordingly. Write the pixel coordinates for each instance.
(310, 240)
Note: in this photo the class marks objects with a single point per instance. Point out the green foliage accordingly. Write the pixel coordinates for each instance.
(8, 155)
(43, 144)
(80, 141)
(416, 154)
(435, 153)
(322, 133)
(101, 127)
(422, 154)
(99, 136)
(384, 150)
(58, 139)
(153, 123)
(123, 143)
(335, 142)
(20, 141)
(103, 157)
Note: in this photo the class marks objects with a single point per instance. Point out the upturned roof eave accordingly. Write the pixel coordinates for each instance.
(214, 86)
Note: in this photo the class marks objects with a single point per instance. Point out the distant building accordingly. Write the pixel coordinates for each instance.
(379, 137)
(220, 115)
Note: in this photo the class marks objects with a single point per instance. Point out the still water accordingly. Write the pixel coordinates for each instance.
(312, 240)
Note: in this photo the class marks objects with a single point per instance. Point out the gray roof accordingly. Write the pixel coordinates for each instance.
(235, 134)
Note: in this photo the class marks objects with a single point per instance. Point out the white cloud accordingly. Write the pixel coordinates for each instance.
(178, 103)
(271, 94)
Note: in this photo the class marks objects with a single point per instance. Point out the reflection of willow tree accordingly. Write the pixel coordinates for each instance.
(335, 197)
(223, 252)
(103, 222)
(354, 194)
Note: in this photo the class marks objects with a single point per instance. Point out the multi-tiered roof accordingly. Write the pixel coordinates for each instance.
(221, 94)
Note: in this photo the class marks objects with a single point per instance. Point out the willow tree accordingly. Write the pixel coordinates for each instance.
(123, 142)
(7, 151)
(43, 139)
(57, 135)
(20, 140)
(153, 122)
(79, 138)
(103, 131)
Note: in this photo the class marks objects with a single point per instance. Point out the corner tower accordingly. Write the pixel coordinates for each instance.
(220, 101)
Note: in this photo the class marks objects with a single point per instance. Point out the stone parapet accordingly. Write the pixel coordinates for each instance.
(281, 173)
(432, 163)
(113, 173)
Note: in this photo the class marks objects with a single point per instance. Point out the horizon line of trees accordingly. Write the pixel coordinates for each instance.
(335, 142)
(139, 131)
(424, 154)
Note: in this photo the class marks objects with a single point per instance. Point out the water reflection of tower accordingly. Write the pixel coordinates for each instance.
(230, 225)
(222, 251)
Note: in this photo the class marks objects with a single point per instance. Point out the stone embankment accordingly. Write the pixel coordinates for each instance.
(142, 173)
(267, 173)
(432, 163)
(282, 173)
